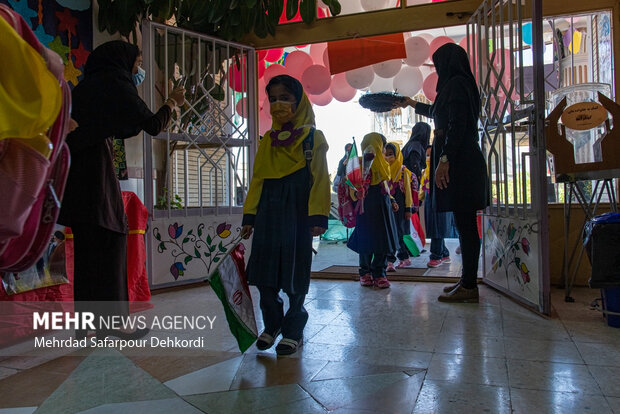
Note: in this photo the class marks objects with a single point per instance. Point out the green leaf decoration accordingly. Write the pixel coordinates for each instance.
(291, 9)
(199, 231)
(196, 253)
(189, 233)
(211, 249)
(185, 240)
(308, 10)
(187, 259)
(209, 239)
(216, 259)
(161, 247)
(158, 236)
(222, 248)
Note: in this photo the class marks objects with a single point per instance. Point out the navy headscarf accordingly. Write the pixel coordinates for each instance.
(450, 61)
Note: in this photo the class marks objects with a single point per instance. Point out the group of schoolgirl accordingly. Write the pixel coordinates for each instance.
(388, 198)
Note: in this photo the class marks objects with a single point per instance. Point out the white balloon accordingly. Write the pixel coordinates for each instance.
(360, 78)
(350, 6)
(409, 81)
(426, 36)
(426, 70)
(370, 5)
(381, 85)
(418, 51)
(387, 69)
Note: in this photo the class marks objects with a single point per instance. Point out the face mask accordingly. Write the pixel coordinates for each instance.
(390, 159)
(138, 78)
(282, 111)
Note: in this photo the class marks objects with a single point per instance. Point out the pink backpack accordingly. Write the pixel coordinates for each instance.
(31, 185)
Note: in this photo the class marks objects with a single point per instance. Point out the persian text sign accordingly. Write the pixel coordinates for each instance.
(584, 115)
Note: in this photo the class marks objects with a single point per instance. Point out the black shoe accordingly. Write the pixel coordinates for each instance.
(266, 341)
(137, 334)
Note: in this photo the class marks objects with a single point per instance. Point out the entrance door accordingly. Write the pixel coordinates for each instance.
(515, 258)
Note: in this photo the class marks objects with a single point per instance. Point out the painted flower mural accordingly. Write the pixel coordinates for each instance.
(511, 248)
(207, 247)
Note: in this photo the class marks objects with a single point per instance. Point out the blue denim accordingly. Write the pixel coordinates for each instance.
(438, 249)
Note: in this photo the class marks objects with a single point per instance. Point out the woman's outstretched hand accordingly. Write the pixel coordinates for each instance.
(408, 102)
(442, 176)
(246, 231)
(317, 231)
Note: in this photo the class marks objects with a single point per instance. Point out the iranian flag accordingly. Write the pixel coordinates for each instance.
(354, 169)
(230, 285)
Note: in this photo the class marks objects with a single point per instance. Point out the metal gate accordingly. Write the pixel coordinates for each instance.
(197, 170)
(515, 254)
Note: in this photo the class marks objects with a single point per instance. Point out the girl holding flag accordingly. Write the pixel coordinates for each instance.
(287, 204)
(400, 183)
(375, 235)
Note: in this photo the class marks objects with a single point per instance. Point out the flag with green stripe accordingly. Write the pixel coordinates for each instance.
(231, 287)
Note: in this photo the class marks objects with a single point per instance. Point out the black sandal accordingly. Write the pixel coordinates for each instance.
(288, 346)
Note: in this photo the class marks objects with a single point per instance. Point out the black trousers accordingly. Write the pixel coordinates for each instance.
(100, 270)
(470, 246)
(293, 322)
(373, 264)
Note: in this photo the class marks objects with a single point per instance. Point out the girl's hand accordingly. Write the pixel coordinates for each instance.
(246, 231)
(408, 215)
(394, 205)
(408, 102)
(317, 231)
(442, 176)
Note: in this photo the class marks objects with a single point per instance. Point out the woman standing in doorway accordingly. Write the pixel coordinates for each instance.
(460, 182)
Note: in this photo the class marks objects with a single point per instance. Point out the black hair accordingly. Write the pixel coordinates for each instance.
(59, 235)
(392, 147)
(290, 83)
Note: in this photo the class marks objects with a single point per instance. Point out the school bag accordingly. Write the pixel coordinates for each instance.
(32, 183)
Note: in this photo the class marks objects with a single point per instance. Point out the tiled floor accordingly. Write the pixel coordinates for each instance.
(367, 351)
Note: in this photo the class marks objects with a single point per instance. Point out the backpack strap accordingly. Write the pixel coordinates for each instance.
(308, 145)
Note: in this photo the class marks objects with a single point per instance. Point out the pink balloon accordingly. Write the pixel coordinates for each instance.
(426, 36)
(236, 80)
(316, 52)
(274, 70)
(467, 40)
(266, 107)
(439, 42)
(316, 79)
(429, 86)
(418, 51)
(261, 90)
(241, 107)
(264, 122)
(326, 59)
(360, 78)
(273, 55)
(340, 88)
(297, 61)
(260, 66)
(322, 99)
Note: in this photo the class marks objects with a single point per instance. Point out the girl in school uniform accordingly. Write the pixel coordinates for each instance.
(287, 204)
(375, 235)
(400, 184)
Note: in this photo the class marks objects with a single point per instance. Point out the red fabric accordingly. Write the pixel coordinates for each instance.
(137, 280)
(415, 220)
(479, 223)
(351, 54)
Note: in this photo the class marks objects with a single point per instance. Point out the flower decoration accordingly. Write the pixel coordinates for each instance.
(525, 245)
(285, 136)
(223, 230)
(177, 270)
(525, 273)
(174, 230)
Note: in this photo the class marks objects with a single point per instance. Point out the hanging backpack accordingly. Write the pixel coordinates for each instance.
(31, 183)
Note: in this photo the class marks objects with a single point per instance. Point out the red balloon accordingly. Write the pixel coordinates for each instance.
(316, 79)
(273, 55)
(429, 86)
(261, 54)
(236, 78)
(438, 42)
(241, 107)
(260, 66)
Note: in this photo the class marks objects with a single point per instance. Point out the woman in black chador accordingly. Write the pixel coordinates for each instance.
(460, 182)
(106, 105)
